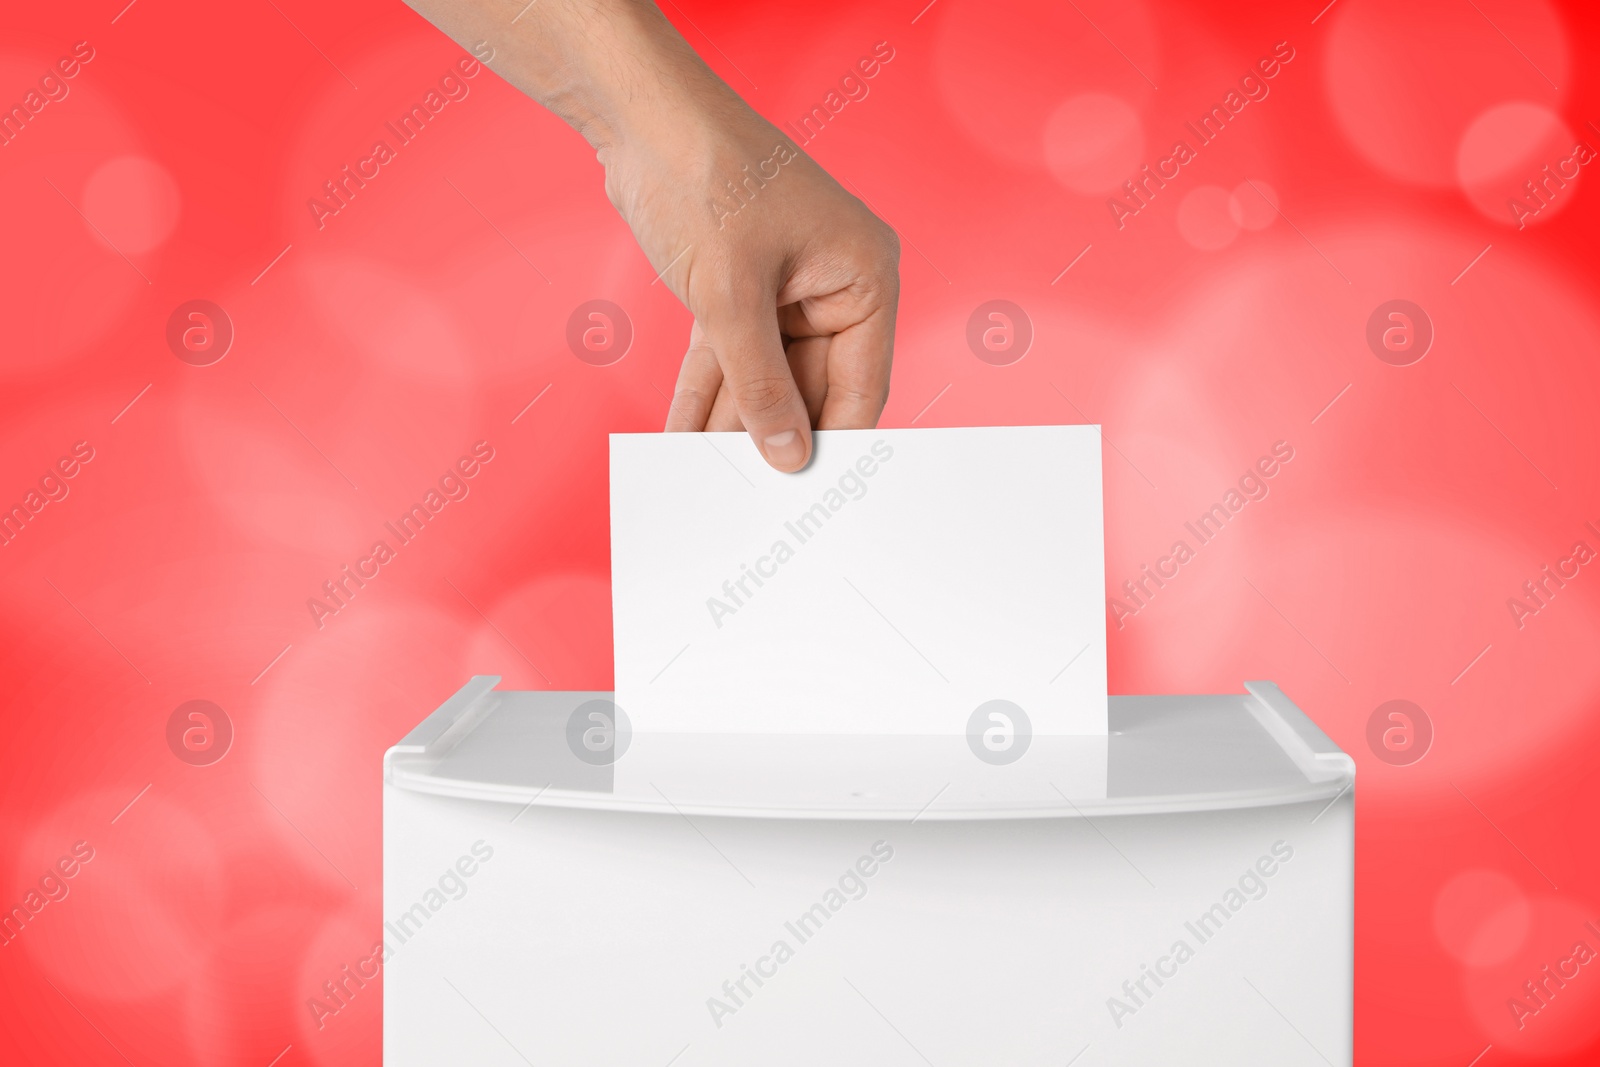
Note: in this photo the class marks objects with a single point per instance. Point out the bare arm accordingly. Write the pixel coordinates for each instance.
(792, 282)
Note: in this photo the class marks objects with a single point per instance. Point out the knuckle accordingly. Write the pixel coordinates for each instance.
(764, 394)
(876, 260)
(692, 398)
(891, 243)
(864, 405)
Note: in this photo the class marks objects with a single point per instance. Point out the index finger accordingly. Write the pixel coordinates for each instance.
(859, 359)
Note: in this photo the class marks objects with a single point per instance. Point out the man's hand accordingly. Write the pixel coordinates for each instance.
(792, 282)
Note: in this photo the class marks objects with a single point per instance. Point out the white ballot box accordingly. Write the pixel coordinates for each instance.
(558, 889)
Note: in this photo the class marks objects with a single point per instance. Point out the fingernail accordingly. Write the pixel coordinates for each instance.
(785, 450)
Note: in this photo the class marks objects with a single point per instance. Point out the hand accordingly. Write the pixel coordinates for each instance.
(792, 282)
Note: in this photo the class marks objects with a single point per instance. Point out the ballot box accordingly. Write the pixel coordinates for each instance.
(560, 889)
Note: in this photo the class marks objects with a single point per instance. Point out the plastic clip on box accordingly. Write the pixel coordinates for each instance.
(558, 891)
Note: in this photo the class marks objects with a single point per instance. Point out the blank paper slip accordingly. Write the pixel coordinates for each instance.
(899, 584)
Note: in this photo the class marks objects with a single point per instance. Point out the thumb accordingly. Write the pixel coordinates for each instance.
(742, 331)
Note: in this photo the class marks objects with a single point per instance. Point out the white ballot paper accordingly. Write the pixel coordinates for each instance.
(901, 582)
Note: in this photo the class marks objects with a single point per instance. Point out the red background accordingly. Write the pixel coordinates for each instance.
(432, 309)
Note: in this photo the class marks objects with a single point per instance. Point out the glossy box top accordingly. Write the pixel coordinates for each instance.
(1164, 754)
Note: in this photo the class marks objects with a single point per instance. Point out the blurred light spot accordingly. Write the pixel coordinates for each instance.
(1480, 917)
(133, 202)
(1092, 142)
(1518, 154)
(1543, 998)
(340, 987)
(139, 916)
(1002, 79)
(1253, 204)
(1205, 218)
(1404, 81)
(258, 471)
(385, 654)
(254, 961)
(398, 324)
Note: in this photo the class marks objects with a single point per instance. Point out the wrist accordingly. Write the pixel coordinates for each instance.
(627, 81)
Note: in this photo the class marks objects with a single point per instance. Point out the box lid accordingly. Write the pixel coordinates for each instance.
(1163, 754)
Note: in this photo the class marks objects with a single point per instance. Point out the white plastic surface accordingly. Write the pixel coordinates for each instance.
(869, 902)
(1164, 754)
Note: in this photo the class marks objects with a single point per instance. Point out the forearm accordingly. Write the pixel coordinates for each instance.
(791, 280)
(614, 70)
